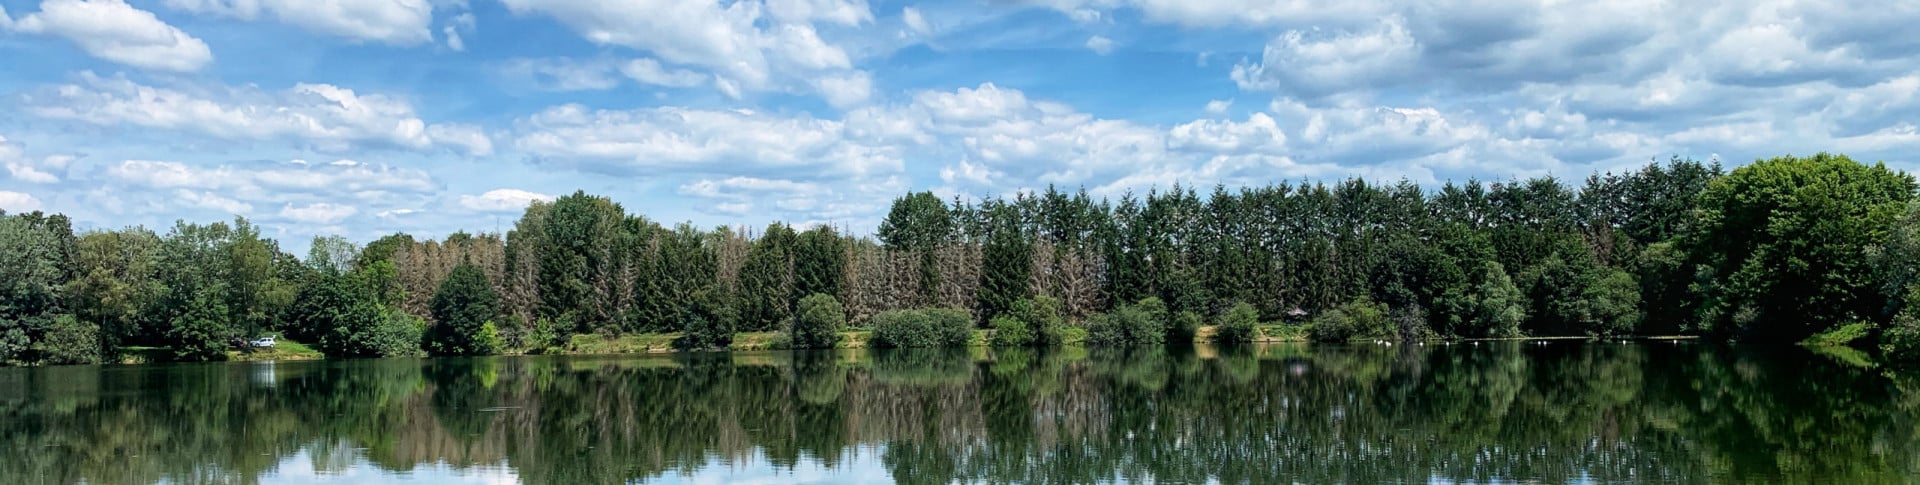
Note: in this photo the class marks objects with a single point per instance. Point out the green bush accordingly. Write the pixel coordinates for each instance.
(1143, 323)
(1044, 318)
(1358, 320)
(547, 334)
(69, 341)
(1010, 332)
(1901, 341)
(933, 327)
(818, 324)
(1185, 325)
(1240, 324)
(710, 324)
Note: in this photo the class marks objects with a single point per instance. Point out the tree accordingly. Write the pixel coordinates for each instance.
(917, 222)
(820, 262)
(116, 286)
(34, 262)
(1007, 262)
(766, 280)
(464, 309)
(200, 332)
(819, 322)
(1239, 324)
(1784, 241)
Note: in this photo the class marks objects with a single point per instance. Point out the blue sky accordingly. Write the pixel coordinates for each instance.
(365, 117)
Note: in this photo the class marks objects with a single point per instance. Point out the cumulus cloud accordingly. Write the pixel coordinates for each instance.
(746, 46)
(117, 32)
(626, 141)
(318, 116)
(318, 212)
(11, 201)
(397, 22)
(502, 200)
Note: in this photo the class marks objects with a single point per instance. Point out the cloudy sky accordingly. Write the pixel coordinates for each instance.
(365, 117)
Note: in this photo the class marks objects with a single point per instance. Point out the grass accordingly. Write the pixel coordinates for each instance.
(283, 349)
(1840, 336)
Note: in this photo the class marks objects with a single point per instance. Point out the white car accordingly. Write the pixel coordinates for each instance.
(261, 342)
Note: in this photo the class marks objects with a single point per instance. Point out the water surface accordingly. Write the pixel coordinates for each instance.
(1561, 412)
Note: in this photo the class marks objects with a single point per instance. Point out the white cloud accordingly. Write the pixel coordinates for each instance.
(397, 22)
(846, 91)
(681, 138)
(117, 32)
(210, 200)
(502, 200)
(265, 181)
(1315, 63)
(1219, 106)
(318, 116)
(650, 71)
(318, 212)
(451, 32)
(915, 22)
(746, 46)
(11, 201)
(849, 13)
(1100, 45)
(565, 74)
(20, 168)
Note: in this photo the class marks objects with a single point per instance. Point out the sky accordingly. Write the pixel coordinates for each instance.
(367, 117)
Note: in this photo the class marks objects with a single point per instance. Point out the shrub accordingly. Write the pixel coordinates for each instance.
(1143, 323)
(922, 328)
(1240, 324)
(1044, 319)
(818, 324)
(709, 323)
(1359, 319)
(1011, 332)
(1184, 326)
(69, 341)
(1901, 341)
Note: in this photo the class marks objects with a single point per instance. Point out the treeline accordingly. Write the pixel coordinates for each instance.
(1777, 250)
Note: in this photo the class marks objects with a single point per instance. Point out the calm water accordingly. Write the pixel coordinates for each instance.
(1508, 412)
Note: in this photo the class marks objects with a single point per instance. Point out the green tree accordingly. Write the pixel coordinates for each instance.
(1239, 324)
(200, 332)
(34, 262)
(1007, 262)
(819, 322)
(464, 308)
(820, 262)
(766, 280)
(1360, 319)
(1784, 240)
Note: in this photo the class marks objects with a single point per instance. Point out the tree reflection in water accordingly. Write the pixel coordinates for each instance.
(1553, 413)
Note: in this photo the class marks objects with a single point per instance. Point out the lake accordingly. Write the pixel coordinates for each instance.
(1532, 412)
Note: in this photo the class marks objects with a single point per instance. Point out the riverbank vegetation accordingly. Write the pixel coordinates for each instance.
(1778, 250)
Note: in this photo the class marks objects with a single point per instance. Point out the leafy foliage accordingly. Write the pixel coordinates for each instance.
(1241, 323)
(933, 327)
(1142, 323)
(1783, 243)
(464, 306)
(1362, 319)
(819, 323)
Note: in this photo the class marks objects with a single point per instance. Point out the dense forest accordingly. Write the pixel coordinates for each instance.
(1778, 250)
